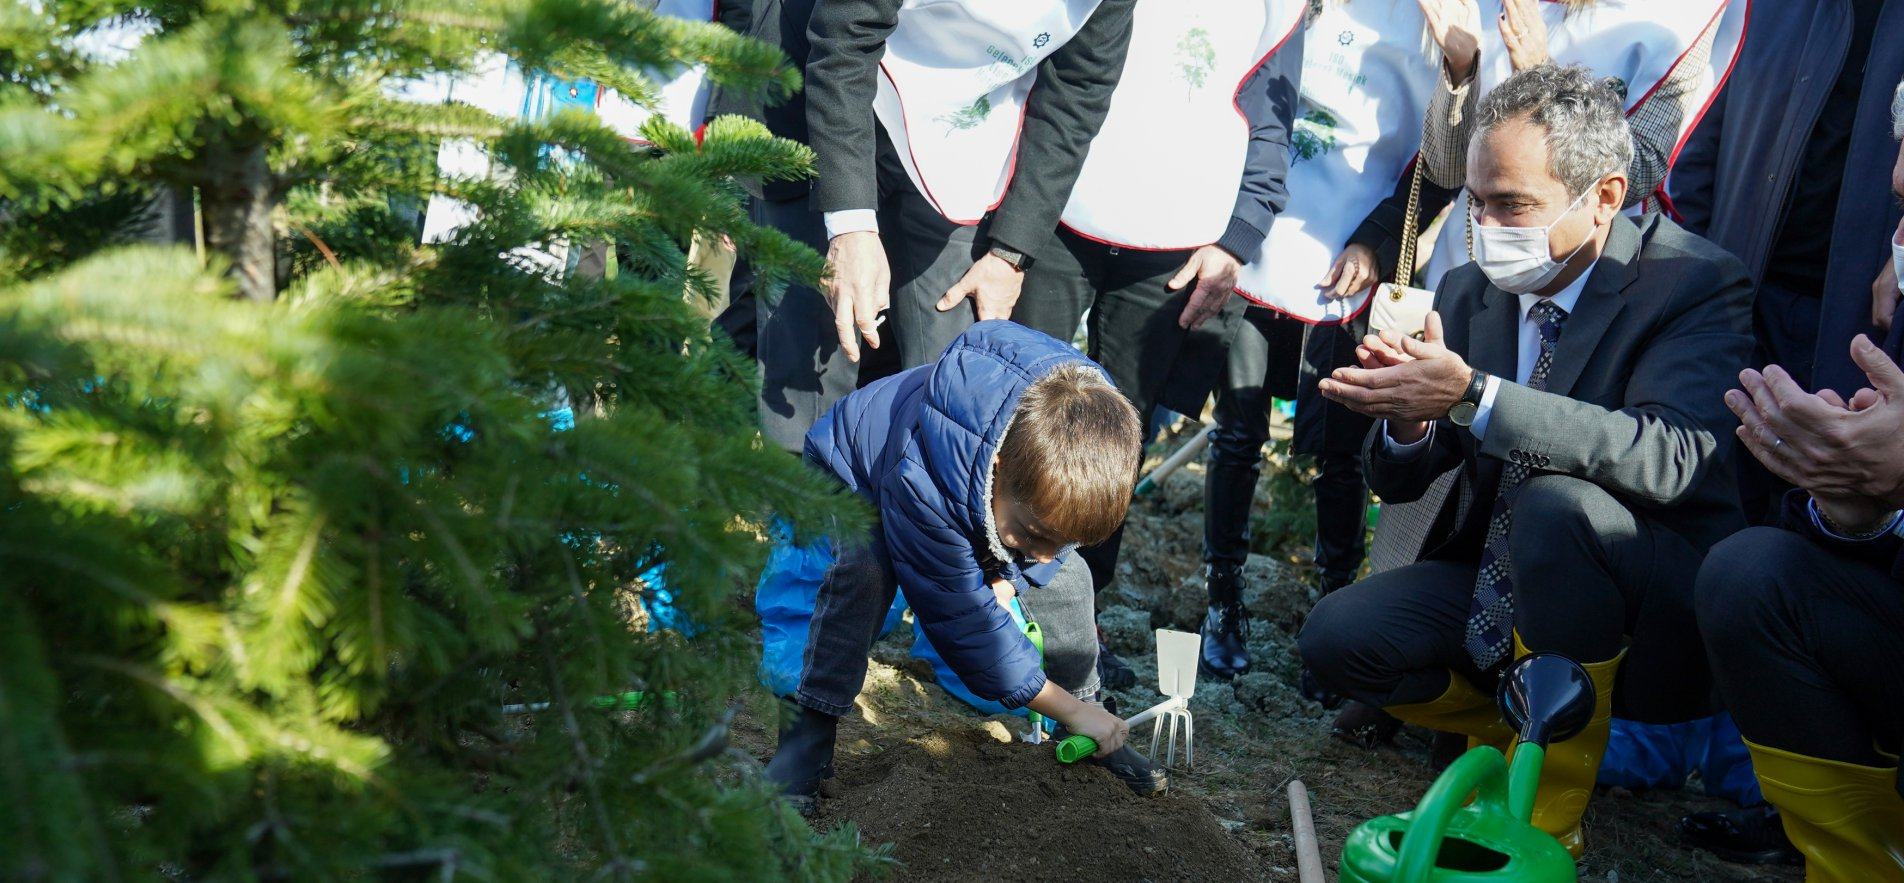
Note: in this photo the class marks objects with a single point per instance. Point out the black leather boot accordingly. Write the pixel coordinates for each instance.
(805, 755)
(1225, 625)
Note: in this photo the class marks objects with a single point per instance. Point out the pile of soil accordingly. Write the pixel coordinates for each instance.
(961, 805)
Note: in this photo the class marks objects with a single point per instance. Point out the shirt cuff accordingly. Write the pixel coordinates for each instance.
(1818, 521)
(1405, 452)
(852, 220)
(1486, 408)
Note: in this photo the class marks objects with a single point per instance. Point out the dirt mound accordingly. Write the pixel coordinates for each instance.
(961, 805)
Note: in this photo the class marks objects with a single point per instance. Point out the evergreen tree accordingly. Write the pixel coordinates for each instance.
(286, 522)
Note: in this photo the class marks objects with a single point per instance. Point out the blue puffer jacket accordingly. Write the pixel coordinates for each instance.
(919, 446)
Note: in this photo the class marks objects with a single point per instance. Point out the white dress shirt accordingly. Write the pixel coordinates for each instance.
(851, 220)
(1529, 353)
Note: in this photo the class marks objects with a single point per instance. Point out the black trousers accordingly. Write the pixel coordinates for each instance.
(1133, 329)
(1807, 646)
(1589, 575)
(1263, 362)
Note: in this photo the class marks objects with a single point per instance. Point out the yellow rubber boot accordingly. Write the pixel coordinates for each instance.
(1567, 776)
(1847, 819)
(1463, 709)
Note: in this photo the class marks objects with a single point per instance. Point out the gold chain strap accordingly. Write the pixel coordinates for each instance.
(1405, 267)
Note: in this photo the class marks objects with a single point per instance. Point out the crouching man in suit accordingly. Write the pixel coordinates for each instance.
(1573, 374)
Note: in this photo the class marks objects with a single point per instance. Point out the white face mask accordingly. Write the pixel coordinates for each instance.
(1519, 260)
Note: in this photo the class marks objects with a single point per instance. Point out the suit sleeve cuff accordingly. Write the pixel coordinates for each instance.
(855, 220)
(1242, 240)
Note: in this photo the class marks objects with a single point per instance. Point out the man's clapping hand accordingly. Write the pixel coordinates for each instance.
(1848, 454)
(1405, 381)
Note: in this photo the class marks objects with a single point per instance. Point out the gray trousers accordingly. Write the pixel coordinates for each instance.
(858, 591)
(802, 370)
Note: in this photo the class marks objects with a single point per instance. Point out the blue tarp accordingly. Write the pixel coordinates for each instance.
(1663, 756)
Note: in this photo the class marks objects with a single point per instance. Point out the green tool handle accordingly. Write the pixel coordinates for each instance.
(1037, 637)
(1072, 749)
(1482, 772)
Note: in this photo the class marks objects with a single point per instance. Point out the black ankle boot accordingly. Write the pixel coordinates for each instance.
(1113, 673)
(805, 755)
(1226, 624)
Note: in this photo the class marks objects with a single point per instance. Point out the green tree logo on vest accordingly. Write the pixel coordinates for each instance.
(1314, 135)
(969, 116)
(1196, 57)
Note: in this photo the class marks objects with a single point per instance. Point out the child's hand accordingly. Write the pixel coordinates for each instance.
(1005, 591)
(1105, 728)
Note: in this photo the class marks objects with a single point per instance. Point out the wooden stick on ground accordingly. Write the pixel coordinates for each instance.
(1303, 826)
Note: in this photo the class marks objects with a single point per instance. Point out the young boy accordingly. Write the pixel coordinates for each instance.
(986, 469)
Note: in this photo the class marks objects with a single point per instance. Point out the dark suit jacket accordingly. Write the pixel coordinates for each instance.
(1066, 106)
(1733, 180)
(1633, 402)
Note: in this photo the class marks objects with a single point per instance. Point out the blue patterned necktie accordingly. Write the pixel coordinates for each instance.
(1490, 632)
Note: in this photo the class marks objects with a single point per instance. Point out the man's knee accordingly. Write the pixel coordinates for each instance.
(1334, 644)
(1555, 517)
(1742, 584)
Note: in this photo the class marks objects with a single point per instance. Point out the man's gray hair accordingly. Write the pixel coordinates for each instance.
(1897, 113)
(1587, 135)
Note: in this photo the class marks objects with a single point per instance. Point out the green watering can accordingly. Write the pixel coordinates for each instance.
(1448, 839)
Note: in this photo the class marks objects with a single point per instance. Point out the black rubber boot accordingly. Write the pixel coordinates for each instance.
(1144, 778)
(1364, 726)
(805, 755)
(1225, 628)
(1753, 835)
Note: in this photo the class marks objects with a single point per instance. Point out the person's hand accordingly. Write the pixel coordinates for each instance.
(1106, 729)
(1413, 392)
(1004, 591)
(1838, 450)
(1525, 34)
(858, 289)
(992, 284)
(1214, 271)
(1353, 271)
(1884, 295)
(1383, 350)
(1455, 26)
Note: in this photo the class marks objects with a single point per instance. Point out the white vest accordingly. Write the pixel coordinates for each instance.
(952, 90)
(1163, 170)
(1639, 41)
(1367, 78)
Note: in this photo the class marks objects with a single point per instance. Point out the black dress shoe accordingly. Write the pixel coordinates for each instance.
(805, 755)
(1752, 835)
(1364, 726)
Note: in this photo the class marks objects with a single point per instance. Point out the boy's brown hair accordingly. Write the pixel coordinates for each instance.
(1071, 453)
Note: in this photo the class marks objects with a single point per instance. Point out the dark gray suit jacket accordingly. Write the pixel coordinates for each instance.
(1062, 114)
(1634, 401)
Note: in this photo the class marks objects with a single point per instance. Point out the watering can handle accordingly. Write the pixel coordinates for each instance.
(1482, 771)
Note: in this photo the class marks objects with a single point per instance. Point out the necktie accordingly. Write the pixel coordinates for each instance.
(1490, 630)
